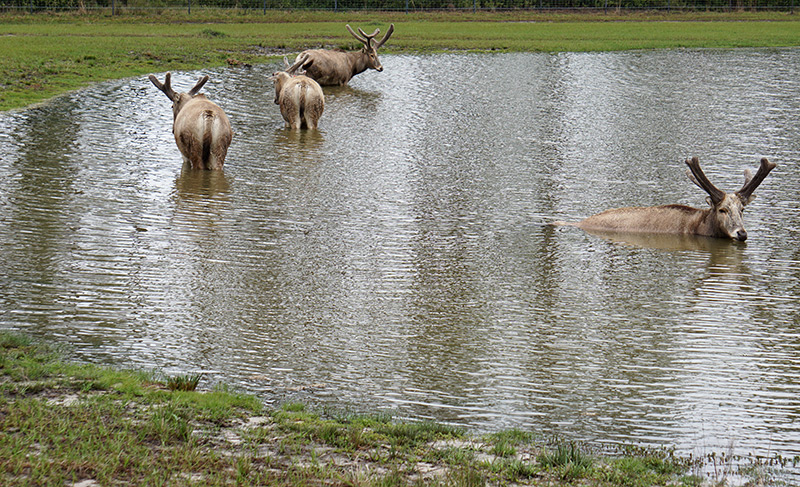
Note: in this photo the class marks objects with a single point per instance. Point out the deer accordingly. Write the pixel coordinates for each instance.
(724, 218)
(335, 67)
(299, 97)
(201, 128)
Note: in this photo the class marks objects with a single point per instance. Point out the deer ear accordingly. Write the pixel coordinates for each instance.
(709, 201)
(747, 201)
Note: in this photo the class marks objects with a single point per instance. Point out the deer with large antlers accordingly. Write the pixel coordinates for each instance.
(299, 97)
(722, 220)
(334, 67)
(201, 128)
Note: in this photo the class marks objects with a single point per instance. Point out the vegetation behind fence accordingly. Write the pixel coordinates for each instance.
(119, 6)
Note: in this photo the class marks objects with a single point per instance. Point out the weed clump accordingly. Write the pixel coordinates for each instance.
(184, 382)
(211, 33)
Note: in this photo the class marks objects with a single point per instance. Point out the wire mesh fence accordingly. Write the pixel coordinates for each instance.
(119, 6)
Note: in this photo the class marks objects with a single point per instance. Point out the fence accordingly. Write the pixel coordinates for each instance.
(115, 6)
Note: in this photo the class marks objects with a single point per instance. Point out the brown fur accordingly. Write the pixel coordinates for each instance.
(655, 219)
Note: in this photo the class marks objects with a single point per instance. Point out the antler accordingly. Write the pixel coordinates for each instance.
(371, 36)
(165, 87)
(699, 178)
(752, 182)
(298, 62)
(368, 38)
(365, 40)
(199, 85)
(385, 38)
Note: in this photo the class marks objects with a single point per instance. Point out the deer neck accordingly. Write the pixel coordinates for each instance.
(358, 61)
(705, 223)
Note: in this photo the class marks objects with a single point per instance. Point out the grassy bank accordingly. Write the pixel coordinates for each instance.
(62, 423)
(49, 54)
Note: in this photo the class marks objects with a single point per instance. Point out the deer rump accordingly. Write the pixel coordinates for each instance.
(202, 134)
(302, 102)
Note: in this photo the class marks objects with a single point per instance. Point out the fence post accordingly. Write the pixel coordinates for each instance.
(113, 8)
(406, 7)
(264, 3)
(474, 6)
(189, 8)
(336, 5)
(31, 7)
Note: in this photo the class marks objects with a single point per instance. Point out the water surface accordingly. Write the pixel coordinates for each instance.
(401, 257)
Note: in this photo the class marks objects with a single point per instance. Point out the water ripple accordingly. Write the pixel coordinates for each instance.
(400, 259)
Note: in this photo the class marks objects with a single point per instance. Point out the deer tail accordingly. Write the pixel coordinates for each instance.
(301, 105)
(208, 137)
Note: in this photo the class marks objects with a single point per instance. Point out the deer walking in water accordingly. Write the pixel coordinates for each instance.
(300, 98)
(722, 220)
(201, 128)
(334, 67)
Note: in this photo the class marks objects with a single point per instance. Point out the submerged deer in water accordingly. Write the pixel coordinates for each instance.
(333, 67)
(722, 220)
(300, 98)
(201, 129)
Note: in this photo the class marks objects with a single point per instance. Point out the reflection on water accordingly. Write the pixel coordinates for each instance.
(401, 256)
(669, 241)
(192, 184)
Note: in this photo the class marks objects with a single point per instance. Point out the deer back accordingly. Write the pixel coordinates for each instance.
(677, 219)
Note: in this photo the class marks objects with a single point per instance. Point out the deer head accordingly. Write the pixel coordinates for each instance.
(279, 78)
(179, 100)
(726, 213)
(370, 49)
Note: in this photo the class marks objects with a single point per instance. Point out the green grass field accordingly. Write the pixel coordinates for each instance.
(49, 54)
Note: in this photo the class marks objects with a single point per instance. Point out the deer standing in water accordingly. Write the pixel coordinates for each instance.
(201, 128)
(722, 220)
(300, 98)
(334, 67)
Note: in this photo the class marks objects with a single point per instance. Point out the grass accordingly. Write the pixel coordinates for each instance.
(567, 460)
(49, 54)
(184, 382)
(62, 423)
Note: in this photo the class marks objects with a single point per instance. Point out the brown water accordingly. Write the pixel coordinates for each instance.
(400, 259)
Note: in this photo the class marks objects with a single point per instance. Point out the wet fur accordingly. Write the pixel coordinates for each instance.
(300, 99)
(334, 67)
(678, 219)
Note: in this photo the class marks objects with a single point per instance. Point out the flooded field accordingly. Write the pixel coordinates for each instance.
(402, 259)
